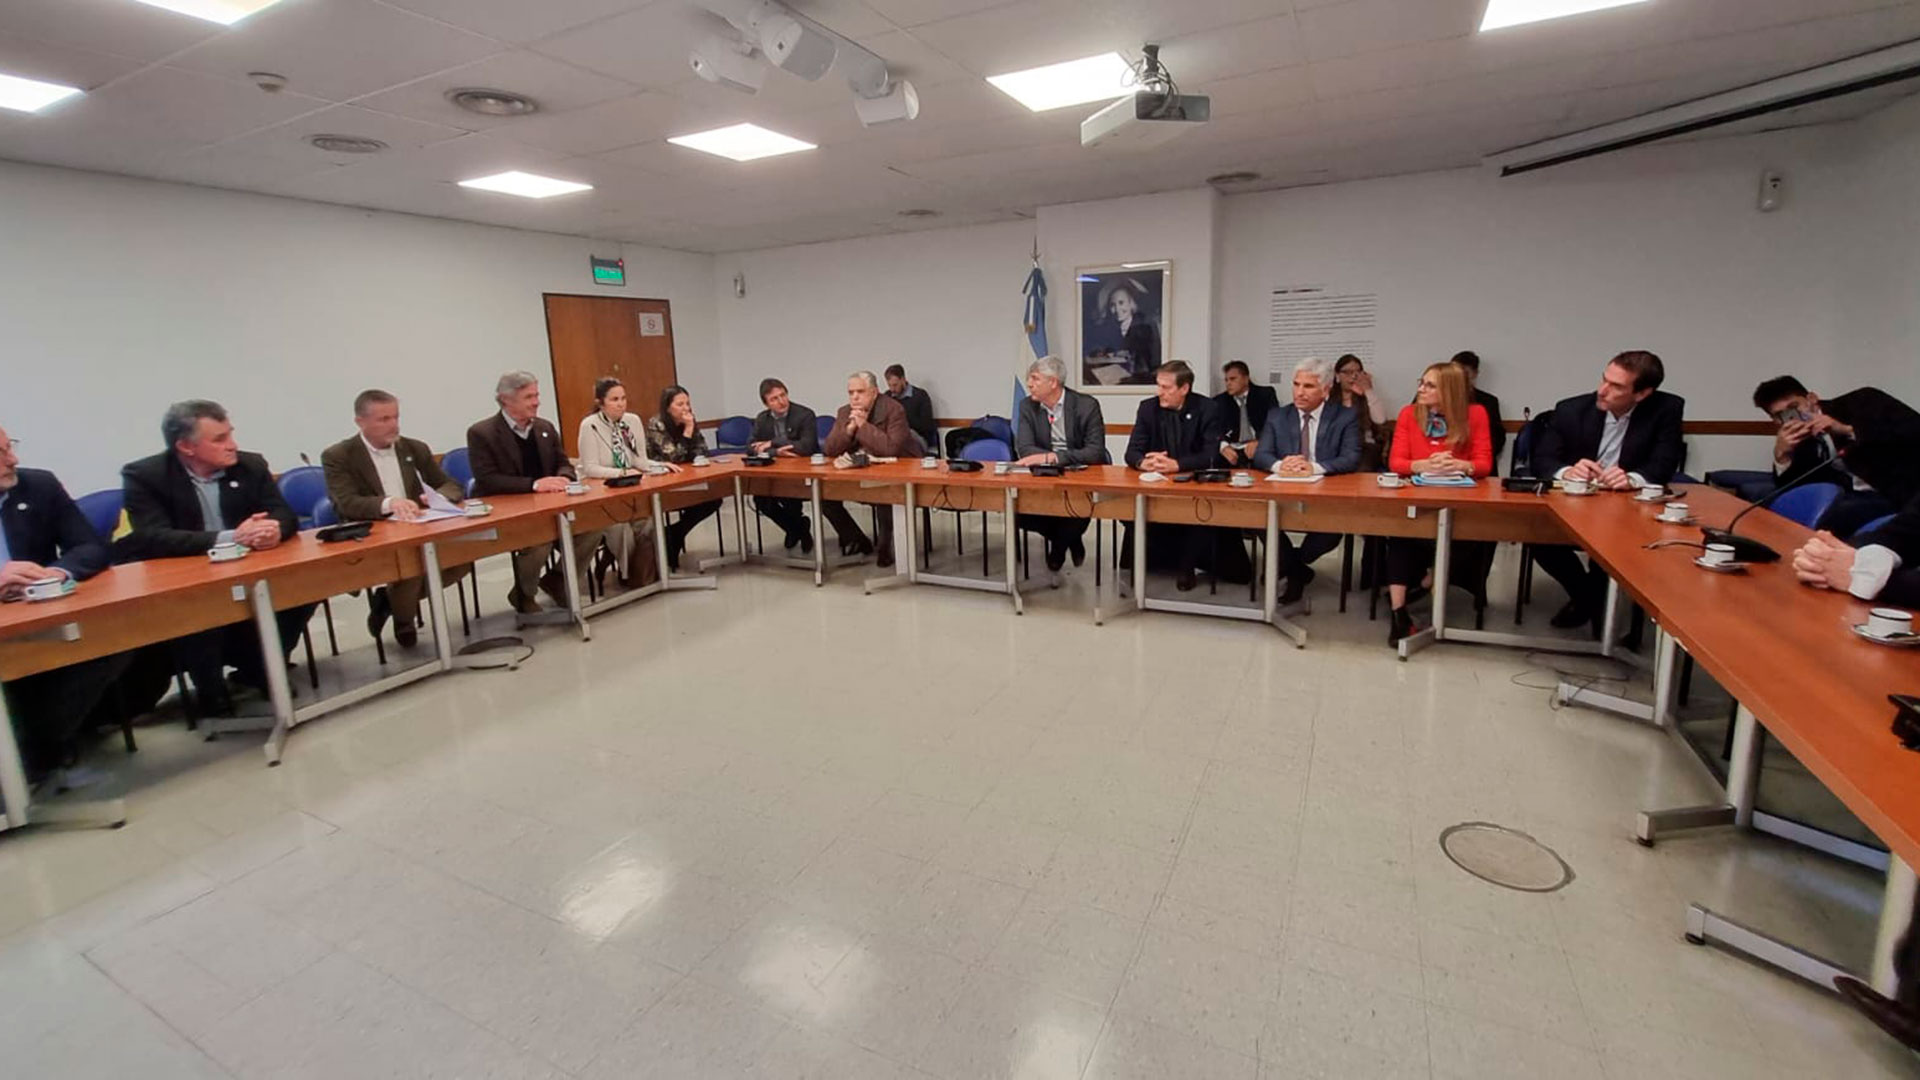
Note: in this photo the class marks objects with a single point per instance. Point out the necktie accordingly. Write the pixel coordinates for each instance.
(1306, 435)
(1246, 427)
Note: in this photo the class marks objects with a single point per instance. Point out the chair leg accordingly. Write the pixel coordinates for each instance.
(460, 590)
(379, 650)
(1253, 583)
(720, 526)
(126, 719)
(1686, 676)
(926, 539)
(984, 548)
(333, 644)
(1346, 570)
(313, 669)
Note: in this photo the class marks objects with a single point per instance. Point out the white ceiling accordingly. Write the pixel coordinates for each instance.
(1304, 91)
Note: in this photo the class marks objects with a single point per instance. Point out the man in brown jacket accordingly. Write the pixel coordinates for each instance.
(514, 452)
(381, 475)
(875, 424)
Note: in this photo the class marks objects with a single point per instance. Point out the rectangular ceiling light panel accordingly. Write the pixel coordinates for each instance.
(1504, 13)
(741, 142)
(31, 95)
(224, 12)
(525, 185)
(1076, 82)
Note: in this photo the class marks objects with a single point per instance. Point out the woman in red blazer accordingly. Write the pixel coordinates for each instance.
(1432, 439)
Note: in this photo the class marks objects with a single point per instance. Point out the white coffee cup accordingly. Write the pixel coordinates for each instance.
(817, 459)
(1674, 512)
(1576, 487)
(1718, 554)
(226, 552)
(1883, 622)
(1241, 479)
(578, 487)
(999, 468)
(1652, 492)
(1389, 480)
(929, 462)
(701, 459)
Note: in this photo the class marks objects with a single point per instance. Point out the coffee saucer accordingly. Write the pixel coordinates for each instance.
(1898, 641)
(1688, 520)
(1720, 568)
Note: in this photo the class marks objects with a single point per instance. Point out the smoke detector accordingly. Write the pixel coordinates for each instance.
(919, 212)
(492, 102)
(345, 144)
(269, 81)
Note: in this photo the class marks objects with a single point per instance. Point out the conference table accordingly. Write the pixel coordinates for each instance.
(1783, 651)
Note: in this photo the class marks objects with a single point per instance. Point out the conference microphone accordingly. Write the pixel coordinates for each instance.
(1747, 549)
(305, 460)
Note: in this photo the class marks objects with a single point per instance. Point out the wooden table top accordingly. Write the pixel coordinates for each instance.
(1780, 648)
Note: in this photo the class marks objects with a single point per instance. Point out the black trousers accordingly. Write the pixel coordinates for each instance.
(50, 708)
(1184, 548)
(789, 514)
(1408, 559)
(1854, 509)
(1586, 585)
(849, 530)
(1310, 548)
(1057, 532)
(206, 656)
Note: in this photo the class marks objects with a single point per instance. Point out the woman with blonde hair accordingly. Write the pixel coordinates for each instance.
(1441, 434)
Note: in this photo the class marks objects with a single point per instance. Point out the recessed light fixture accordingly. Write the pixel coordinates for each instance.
(479, 99)
(1075, 82)
(224, 12)
(742, 142)
(345, 144)
(31, 95)
(1505, 13)
(526, 185)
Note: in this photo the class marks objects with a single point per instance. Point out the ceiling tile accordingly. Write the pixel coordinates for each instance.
(1365, 25)
(33, 59)
(920, 12)
(517, 21)
(648, 47)
(338, 50)
(848, 18)
(556, 87)
(1232, 50)
(611, 125)
(120, 27)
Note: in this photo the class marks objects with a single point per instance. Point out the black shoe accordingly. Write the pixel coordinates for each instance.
(1296, 586)
(405, 634)
(1078, 550)
(1186, 581)
(554, 584)
(1056, 558)
(1887, 1014)
(790, 541)
(379, 610)
(1402, 626)
(1570, 616)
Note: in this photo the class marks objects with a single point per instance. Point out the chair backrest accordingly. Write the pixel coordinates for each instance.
(102, 510)
(303, 488)
(323, 514)
(822, 426)
(997, 426)
(1869, 527)
(987, 450)
(734, 431)
(1806, 504)
(457, 466)
(1522, 463)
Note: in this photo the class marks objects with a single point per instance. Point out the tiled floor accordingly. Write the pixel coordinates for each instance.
(774, 831)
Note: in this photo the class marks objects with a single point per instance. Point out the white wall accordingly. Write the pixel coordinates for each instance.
(1547, 274)
(944, 303)
(1877, 286)
(118, 296)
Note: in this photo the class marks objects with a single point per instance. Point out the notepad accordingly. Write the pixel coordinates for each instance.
(1424, 480)
(1314, 479)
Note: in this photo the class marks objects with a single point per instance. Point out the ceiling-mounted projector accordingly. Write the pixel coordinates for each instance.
(900, 102)
(1147, 118)
(732, 64)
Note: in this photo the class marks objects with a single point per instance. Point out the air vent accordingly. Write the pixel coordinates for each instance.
(345, 144)
(919, 212)
(1233, 178)
(493, 102)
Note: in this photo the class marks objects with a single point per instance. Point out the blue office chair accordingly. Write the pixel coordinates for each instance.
(303, 488)
(823, 426)
(1001, 429)
(459, 468)
(978, 450)
(102, 510)
(1806, 504)
(324, 515)
(733, 435)
(1868, 529)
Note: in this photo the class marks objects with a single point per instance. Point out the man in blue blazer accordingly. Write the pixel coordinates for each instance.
(1312, 436)
(44, 535)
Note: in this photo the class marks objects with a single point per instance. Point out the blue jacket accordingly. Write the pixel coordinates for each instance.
(44, 526)
(1336, 442)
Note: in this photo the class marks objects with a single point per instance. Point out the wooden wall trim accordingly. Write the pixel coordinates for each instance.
(1690, 427)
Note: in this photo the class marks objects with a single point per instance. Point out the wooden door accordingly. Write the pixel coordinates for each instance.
(593, 336)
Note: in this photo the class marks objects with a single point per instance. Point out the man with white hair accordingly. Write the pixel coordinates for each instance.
(514, 452)
(1314, 435)
(1058, 426)
(875, 424)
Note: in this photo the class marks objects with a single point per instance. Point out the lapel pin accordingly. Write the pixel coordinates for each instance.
(22, 507)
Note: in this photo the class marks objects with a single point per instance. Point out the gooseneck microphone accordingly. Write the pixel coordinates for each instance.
(1747, 549)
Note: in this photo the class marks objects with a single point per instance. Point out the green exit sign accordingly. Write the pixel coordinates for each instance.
(609, 271)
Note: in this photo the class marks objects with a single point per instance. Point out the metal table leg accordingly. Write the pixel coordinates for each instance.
(895, 580)
(1270, 575)
(669, 582)
(1443, 536)
(1656, 713)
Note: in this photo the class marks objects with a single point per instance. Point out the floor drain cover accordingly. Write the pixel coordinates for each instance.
(1505, 857)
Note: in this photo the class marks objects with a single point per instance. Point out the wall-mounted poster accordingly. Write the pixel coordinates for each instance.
(1123, 324)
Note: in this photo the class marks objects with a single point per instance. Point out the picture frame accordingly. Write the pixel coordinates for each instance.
(1122, 325)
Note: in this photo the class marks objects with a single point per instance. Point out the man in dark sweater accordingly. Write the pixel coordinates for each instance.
(785, 429)
(919, 407)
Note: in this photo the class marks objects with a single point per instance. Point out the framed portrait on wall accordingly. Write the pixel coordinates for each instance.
(1123, 324)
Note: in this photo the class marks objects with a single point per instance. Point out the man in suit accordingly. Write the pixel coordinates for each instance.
(1470, 363)
(378, 475)
(1175, 432)
(1058, 426)
(1867, 439)
(1312, 436)
(514, 452)
(44, 536)
(1882, 565)
(918, 405)
(1626, 435)
(785, 429)
(875, 424)
(1243, 408)
(204, 491)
